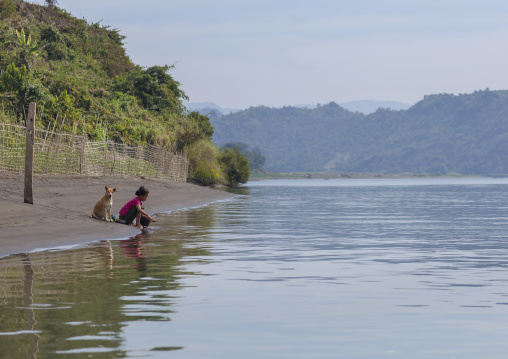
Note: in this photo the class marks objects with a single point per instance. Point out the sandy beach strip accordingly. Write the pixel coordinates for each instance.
(62, 204)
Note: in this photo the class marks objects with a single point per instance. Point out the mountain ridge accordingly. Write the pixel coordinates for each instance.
(443, 133)
(363, 106)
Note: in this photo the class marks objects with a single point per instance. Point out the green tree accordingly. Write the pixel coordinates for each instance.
(203, 123)
(235, 167)
(29, 48)
(51, 3)
(156, 90)
(18, 86)
(255, 157)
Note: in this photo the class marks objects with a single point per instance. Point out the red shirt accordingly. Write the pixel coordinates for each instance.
(126, 208)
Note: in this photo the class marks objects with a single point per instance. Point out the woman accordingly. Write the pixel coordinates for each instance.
(133, 210)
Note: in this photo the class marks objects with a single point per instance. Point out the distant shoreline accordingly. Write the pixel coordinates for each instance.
(323, 175)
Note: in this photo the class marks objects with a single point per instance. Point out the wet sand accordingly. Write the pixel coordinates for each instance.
(62, 204)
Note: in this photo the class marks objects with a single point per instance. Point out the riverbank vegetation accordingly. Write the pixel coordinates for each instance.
(83, 81)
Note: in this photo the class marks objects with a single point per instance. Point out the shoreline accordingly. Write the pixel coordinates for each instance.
(59, 216)
(354, 175)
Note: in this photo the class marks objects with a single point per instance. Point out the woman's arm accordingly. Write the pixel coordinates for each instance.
(143, 213)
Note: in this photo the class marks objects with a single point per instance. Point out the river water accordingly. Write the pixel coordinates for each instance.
(374, 268)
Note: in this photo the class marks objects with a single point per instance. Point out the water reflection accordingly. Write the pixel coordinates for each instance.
(133, 248)
(355, 271)
(77, 302)
(28, 301)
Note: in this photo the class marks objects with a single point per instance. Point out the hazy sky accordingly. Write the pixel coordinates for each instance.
(241, 53)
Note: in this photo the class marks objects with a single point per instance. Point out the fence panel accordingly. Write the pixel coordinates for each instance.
(66, 154)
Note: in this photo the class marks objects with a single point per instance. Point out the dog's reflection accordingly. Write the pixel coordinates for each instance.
(108, 258)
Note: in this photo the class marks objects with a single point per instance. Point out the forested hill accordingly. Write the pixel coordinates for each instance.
(80, 76)
(441, 134)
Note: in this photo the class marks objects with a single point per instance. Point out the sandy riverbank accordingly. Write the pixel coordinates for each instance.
(62, 204)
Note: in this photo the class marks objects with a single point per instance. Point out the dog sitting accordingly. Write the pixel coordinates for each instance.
(102, 209)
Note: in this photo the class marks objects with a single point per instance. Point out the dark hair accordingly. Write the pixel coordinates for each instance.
(142, 191)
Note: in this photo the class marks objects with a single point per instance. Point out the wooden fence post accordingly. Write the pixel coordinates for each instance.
(29, 153)
(82, 155)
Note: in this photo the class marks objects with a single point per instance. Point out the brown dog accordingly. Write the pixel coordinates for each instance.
(102, 209)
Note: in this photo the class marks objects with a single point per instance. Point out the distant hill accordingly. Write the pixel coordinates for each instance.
(207, 107)
(366, 106)
(363, 106)
(370, 106)
(443, 133)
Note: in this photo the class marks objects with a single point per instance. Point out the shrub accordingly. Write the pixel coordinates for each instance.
(235, 167)
(204, 167)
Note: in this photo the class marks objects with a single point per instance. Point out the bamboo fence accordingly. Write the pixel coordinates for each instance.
(68, 154)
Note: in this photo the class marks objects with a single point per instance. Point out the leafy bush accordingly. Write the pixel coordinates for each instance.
(204, 167)
(235, 167)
